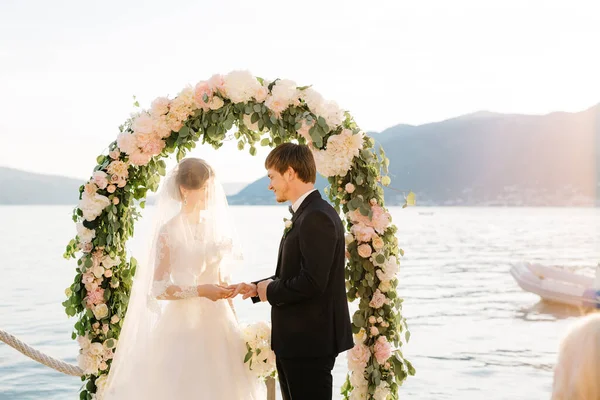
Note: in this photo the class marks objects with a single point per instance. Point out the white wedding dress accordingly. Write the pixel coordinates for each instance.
(177, 345)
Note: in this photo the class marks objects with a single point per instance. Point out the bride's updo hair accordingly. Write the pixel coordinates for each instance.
(193, 173)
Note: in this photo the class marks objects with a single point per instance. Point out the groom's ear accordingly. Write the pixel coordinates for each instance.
(290, 174)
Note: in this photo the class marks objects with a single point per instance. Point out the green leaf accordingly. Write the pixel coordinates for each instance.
(248, 356)
(240, 145)
(254, 118)
(265, 142)
(257, 108)
(211, 131)
(358, 320)
(411, 369)
(184, 131)
(252, 150)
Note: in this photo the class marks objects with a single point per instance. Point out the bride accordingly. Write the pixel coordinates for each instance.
(180, 338)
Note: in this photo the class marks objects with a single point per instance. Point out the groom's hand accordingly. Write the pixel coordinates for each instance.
(246, 289)
(262, 289)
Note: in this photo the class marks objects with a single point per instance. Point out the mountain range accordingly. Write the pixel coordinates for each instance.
(479, 159)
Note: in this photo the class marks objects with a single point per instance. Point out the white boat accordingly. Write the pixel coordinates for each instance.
(558, 284)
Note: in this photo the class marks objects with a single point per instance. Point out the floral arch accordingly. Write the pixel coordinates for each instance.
(265, 113)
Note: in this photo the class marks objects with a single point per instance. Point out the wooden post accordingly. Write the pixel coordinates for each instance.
(270, 382)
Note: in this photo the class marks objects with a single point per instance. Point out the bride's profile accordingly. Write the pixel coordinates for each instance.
(180, 338)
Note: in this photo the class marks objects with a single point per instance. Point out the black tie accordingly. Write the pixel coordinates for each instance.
(291, 210)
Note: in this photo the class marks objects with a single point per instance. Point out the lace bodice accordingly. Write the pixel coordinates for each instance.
(186, 256)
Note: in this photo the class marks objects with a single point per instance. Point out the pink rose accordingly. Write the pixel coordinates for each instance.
(119, 168)
(202, 89)
(115, 154)
(143, 138)
(139, 158)
(216, 83)
(378, 243)
(108, 273)
(87, 247)
(87, 278)
(358, 357)
(142, 124)
(161, 127)
(382, 350)
(154, 146)
(216, 103)
(90, 188)
(374, 331)
(97, 257)
(160, 106)
(364, 250)
(373, 202)
(122, 182)
(372, 319)
(114, 179)
(115, 201)
(261, 94)
(362, 232)
(378, 299)
(173, 122)
(111, 188)
(126, 142)
(95, 297)
(276, 105)
(99, 178)
(380, 219)
(349, 188)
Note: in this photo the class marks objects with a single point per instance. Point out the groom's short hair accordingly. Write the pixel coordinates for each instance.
(297, 156)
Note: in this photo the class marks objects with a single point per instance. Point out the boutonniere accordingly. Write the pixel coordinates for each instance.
(288, 226)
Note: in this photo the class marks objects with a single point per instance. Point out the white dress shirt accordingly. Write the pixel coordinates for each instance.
(298, 202)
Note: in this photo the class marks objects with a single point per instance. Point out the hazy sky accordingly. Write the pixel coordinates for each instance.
(68, 69)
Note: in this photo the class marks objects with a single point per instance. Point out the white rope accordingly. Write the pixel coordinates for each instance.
(74, 370)
(40, 357)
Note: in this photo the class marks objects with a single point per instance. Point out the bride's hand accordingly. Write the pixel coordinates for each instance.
(246, 289)
(214, 292)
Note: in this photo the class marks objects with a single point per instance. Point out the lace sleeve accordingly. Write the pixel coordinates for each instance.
(162, 286)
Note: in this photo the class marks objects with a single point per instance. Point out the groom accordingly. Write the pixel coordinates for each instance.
(309, 314)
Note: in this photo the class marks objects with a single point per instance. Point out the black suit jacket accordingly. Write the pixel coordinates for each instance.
(309, 313)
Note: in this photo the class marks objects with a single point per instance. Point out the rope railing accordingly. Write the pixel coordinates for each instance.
(74, 370)
(38, 356)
